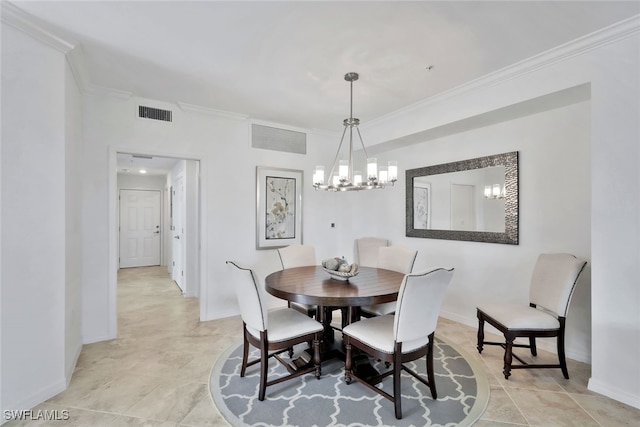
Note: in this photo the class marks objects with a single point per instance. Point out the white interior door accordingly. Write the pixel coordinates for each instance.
(178, 214)
(463, 207)
(139, 228)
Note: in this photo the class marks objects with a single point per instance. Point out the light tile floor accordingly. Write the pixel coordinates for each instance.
(156, 372)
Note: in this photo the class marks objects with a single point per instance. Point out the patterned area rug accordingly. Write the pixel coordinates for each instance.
(463, 394)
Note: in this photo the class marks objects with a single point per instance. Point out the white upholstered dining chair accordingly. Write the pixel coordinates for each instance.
(401, 337)
(366, 250)
(272, 332)
(552, 284)
(396, 258)
(299, 256)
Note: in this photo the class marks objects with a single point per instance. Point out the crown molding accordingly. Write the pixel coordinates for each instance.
(28, 24)
(192, 108)
(611, 34)
(101, 90)
(75, 59)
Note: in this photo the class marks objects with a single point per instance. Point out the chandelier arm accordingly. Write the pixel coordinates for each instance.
(366, 156)
(335, 160)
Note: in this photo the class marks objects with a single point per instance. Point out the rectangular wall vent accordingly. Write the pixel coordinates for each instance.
(154, 113)
(271, 138)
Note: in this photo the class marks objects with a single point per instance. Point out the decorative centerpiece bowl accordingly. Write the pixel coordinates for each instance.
(339, 268)
(340, 275)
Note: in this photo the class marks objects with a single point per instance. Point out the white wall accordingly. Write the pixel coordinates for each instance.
(192, 222)
(141, 182)
(73, 221)
(615, 222)
(34, 233)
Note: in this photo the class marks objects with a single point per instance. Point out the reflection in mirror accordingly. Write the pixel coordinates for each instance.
(474, 200)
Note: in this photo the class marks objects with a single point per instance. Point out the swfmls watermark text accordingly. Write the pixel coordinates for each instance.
(35, 415)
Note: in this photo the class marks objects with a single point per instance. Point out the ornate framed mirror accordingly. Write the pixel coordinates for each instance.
(473, 200)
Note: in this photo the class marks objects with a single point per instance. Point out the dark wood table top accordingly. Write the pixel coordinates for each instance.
(313, 285)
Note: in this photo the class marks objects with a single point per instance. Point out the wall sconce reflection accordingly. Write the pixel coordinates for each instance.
(495, 191)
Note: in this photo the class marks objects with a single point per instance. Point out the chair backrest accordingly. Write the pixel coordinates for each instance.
(397, 258)
(553, 281)
(366, 250)
(297, 256)
(249, 293)
(419, 301)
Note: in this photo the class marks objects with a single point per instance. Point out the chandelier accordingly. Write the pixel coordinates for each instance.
(345, 178)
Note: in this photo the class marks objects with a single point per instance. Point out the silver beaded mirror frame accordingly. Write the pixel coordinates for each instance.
(510, 195)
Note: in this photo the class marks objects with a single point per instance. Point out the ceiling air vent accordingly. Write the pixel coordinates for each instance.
(272, 138)
(154, 113)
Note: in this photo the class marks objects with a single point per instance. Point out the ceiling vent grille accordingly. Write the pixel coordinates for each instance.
(154, 114)
(271, 138)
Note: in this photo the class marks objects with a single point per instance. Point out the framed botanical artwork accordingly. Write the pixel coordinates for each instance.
(279, 207)
(422, 206)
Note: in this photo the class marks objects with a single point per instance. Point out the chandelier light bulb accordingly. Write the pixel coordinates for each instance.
(496, 190)
(383, 176)
(392, 170)
(343, 170)
(357, 178)
(372, 169)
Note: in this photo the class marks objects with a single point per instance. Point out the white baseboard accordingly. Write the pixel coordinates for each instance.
(469, 321)
(36, 398)
(71, 367)
(97, 338)
(220, 315)
(614, 393)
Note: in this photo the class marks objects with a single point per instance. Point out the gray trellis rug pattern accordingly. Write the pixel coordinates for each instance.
(463, 394)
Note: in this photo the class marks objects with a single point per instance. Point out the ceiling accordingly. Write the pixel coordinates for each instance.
(284, 62)
(137, 164)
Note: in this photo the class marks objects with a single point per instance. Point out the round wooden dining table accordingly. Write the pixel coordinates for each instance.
(313, 285)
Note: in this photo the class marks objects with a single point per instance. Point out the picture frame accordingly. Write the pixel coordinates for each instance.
(278, 207)
(422, 206)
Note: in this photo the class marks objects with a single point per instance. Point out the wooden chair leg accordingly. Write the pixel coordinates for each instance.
(431, 378)
(561, 355)
(508, 356)
(264, 362)
(397, 390)
(480, 333)
(347, 362)
(316, 356)
(532, 346)
(245, 352)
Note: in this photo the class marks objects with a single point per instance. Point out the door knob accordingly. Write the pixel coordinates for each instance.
(176, 237)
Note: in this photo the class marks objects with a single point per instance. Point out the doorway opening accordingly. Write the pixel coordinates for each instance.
(157, 219)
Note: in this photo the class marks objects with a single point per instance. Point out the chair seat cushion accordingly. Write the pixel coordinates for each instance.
(380, 309)
(287, 323)
(377, 332)
(518, 316)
